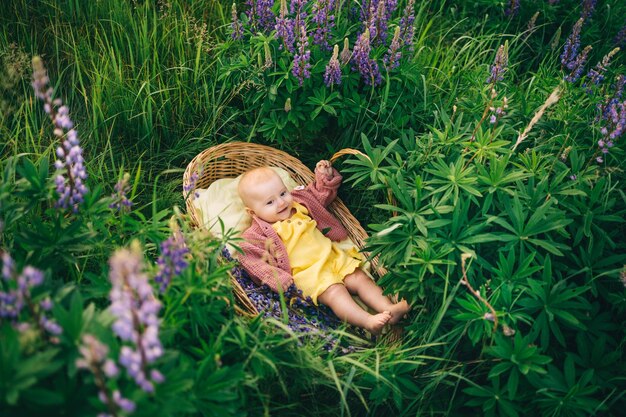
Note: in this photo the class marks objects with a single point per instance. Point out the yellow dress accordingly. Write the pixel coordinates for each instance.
(316, 261)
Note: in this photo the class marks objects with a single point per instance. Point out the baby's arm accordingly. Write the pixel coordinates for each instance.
(255, 260)
(326, 184)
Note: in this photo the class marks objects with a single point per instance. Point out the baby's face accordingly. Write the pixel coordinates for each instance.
(270, 200)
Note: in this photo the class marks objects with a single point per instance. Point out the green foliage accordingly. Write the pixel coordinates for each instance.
(463, 218)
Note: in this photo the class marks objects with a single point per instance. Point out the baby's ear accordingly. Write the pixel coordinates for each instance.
(249, 211)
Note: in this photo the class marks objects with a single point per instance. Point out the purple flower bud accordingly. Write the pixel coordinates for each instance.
(301, 65)
(362, 62)
(393, 55)
(588, 8)
(499, 66)
(570, 50)
(120, 199)
(578, 65)
(332, 75)
(173, 259)
(237, 30)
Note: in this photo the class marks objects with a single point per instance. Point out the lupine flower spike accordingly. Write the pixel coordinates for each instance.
(260, 15)
(237, 30)
(285, 28)
(120, 197)
(173, 259)
(596, 74)
(135, 309)
(570, 50)
(367, 67)
(589, 7)
(324, 20)
(393, 55)
(499, 66)
(332, 75)
(191, 186)
(72, 189)
(94, 357)
(13, 301)
(578, 65)
(301, 65)
(407, 24)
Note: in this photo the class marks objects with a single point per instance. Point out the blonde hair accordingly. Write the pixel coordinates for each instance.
(251, 178)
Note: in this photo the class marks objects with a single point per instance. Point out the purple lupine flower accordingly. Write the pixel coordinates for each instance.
(596, 74)
(499, 66)
(407, 24)
(285, 28)
(94, 357)
(367, 67)
(120, 197)
(578, 65)
(173, 259)
(191, 186)
(570, 50)
(376, 16)
(588, 8)
(393, 55)
(332, 75)
(613, 99)
(298, 10)
(321, 15)
(498, 112)
(235, 25)
(14, 300)
(614, 125)
(620, 38)
(512, 8)
(260, 15)
(72, 189)
(301, 65)
(135, 309)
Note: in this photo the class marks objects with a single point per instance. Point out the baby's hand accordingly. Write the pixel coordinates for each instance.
(324, 167)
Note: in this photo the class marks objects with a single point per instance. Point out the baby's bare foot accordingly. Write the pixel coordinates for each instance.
(398, 311)
(376, 322)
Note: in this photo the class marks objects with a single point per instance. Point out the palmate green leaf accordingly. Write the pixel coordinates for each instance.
(497, 177)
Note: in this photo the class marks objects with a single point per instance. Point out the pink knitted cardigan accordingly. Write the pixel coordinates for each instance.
(265, 256)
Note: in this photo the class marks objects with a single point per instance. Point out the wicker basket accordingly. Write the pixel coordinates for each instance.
(229, 160)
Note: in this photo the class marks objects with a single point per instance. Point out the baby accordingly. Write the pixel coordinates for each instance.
(293, 238)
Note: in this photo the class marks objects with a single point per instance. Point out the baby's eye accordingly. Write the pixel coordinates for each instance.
(269, 203)
(284, 193)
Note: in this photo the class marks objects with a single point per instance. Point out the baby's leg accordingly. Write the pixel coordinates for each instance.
(343, 305)
(358, 283)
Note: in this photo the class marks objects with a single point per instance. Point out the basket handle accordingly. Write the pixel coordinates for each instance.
(351, 151)
(346, 151)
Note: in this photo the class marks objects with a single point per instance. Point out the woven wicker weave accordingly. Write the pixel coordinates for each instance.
(229, 160)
